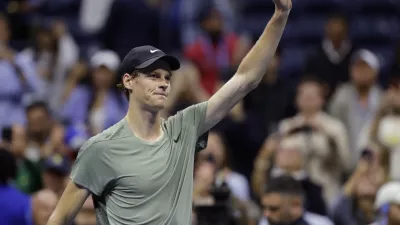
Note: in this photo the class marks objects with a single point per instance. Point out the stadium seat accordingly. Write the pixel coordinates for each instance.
(293, 61)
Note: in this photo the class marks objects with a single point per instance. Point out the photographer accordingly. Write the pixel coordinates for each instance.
(322, 138)
(213, 202)
(355, 206)
(283, 203)
(282, 157)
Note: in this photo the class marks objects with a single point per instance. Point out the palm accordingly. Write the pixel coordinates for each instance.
(283, 4)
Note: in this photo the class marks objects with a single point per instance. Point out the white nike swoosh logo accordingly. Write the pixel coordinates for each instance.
(152, 51)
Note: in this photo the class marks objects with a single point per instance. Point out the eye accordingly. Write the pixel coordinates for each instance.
(168, 77)
(153, 76)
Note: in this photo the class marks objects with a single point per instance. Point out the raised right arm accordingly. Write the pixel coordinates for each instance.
(69, 204)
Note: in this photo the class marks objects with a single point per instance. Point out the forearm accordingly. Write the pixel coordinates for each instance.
(255, 64)
(53, 220)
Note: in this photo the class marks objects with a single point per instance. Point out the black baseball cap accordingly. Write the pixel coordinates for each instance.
(143, 56)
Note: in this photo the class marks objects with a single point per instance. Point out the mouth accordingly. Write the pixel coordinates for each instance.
(161, 94)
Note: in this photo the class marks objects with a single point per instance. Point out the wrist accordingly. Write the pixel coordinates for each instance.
(281, 13)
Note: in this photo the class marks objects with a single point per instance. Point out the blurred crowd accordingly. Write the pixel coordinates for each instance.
(318, 147)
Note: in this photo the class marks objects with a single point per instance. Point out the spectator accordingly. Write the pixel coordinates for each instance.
(356, 103)
(217, 151)
(388, 204)
(56, 169)
(322, 139)
(146, 20)
(15, 206)
(283, 203)
(214, 51)
(18, 79)
(331, 60)
(385, 131)
(45, 134)
(28, 178)
(285, 158)
(53, 53)
(270, 102)
(190, 9)
(212, 201)
(98, 104)
(355, 206)
(43, 204)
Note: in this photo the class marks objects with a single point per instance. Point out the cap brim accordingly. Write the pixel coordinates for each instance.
(173, 62)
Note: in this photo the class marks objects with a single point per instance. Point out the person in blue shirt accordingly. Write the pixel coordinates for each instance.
(19, 80)
(15, 206)
(98, 104)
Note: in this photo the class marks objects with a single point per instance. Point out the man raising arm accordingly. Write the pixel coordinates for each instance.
(140, 171)
(251, 69)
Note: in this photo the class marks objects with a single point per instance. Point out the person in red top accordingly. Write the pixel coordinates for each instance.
(215, 51)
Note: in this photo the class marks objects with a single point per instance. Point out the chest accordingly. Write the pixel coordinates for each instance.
(144, 170)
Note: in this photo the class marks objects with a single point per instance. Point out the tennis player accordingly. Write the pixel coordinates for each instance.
(140, 171)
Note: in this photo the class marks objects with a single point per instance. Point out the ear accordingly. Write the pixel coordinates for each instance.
(127, 81)
(297, 201)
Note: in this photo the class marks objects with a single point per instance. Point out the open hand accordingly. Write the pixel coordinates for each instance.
(284, 5)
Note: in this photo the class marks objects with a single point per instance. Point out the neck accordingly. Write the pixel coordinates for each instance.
(309, 115)
(337, 44)
(144, 123)
(363, 91)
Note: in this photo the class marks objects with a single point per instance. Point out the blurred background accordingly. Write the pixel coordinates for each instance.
(317, 142)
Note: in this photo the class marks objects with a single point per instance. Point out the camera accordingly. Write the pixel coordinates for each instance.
(220, 212)
(303, 129)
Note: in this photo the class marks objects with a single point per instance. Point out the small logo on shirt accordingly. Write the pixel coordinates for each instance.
(153, 51)
(177, 138)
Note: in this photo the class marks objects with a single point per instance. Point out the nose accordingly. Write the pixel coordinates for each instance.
(164, 86)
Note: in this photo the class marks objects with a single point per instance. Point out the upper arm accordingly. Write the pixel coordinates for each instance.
(225, 99)
(69, 204)
(335, 107)
(341, 137)
(93, 160)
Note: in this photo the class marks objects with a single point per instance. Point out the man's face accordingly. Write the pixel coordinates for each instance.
(362, 74)
(309, 97)
(216, 148)
(204, 176)
(54, 181)
(281, 209)
(365, 192)
(151, 87)
(336, 30)
(45, 40)
(102, 78)
(39, 122)
(289, 160)
(213, 23)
